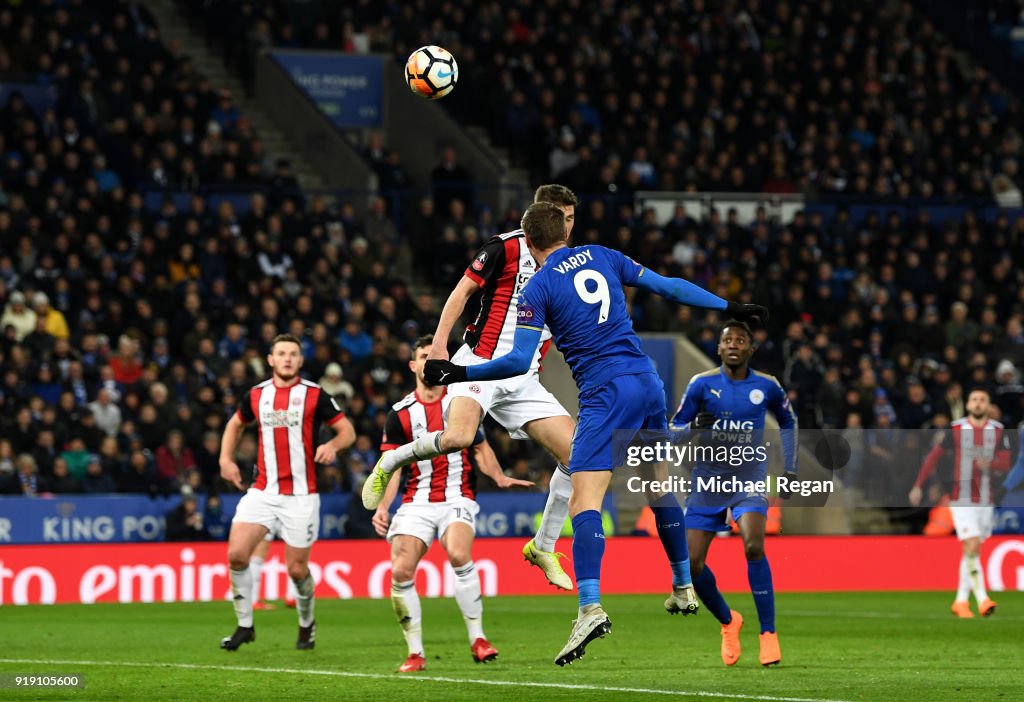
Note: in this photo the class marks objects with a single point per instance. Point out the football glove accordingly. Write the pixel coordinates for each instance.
(443, 373)
(704, 420)
(745, 313)
(784, 492)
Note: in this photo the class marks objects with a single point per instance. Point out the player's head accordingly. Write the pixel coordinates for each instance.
(978, 401)
(285, 357)
(735, 344)
(564, 198)
(544, 226)
(419, 356)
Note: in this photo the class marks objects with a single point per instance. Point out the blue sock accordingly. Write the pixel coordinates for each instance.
(668, 515)
(759, 574)
(587, 552)
(708, 592)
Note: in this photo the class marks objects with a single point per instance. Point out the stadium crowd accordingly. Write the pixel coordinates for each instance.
(132, 328)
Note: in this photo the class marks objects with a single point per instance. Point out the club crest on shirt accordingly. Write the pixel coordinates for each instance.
(296, 401)
(756, 396)
(479, 261)
(474, 388)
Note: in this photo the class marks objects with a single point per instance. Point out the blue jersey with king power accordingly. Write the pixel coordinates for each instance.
(740, 407)
(578, 295)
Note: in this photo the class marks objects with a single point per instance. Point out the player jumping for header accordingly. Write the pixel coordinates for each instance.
(577, 293)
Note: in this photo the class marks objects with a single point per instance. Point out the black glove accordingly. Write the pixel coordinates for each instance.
(745, 313)
(443, 373)
(997, 497)
(784, 492)
(704, 420)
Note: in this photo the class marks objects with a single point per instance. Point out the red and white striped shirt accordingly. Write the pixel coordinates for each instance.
(288, 422)
(501, 268)
(439, 479)
(971, 485)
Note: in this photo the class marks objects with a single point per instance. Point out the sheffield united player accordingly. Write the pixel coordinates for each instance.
(438, 501)
(521, 404)
(979, 445)
(289, 412)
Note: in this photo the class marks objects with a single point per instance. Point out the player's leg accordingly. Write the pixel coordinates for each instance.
(554, 433)
(759, 575)
(242, 542)
(462, 422)
(253, 520)
(701, 527)
(671, 525)
(588, 490)
(406, 552)
(970, 531)
(457, 540)
(259, 556)
(300, 525)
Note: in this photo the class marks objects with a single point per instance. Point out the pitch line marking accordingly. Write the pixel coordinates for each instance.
(425, 678)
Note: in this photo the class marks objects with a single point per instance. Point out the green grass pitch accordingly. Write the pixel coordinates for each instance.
(878, 646)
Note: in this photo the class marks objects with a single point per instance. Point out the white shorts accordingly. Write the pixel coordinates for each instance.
(512, 402)
(295, 517)
(427, 521)
(971, 522)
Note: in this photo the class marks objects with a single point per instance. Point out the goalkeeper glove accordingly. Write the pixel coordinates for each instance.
(704, 420)
(784, 490)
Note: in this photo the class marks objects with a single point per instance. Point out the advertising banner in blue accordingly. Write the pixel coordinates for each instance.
(347, 89)
(134, 518)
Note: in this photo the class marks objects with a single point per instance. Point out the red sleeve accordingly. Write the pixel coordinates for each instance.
(394, 432)
(488, 263)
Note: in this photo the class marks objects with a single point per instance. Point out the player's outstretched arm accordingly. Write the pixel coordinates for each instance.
(488, 464)
(684, 292)
(453, 309)
(515, 362)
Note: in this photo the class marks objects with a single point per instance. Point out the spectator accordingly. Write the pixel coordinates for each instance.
(19, 316)
(56, 324)
(96, 480)
(185, 522)
(62, 482)
(28, 483)
(334, 383)
(106, 412)
(217, 524)
(174, 459)
(450, 181)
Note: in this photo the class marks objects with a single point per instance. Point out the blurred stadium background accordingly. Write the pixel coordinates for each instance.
(182, 180)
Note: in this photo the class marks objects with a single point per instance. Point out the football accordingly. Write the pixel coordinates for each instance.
(431, 72)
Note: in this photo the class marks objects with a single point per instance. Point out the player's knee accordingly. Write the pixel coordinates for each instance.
(298, 571)
(459, 557)
(238, 559)
(696, 567)
(457, 437)
(754, 551)
(403, 573)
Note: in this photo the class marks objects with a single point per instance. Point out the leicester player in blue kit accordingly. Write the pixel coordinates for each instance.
(577, 293)
(727, 406)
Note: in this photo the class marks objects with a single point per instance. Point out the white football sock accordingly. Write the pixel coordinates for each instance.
(467, 594)
(556, 510)
(977, 578)
(241, 595)
(963, 590)
(304, 599)
(427, 446)
(406, 603)
(256, 568)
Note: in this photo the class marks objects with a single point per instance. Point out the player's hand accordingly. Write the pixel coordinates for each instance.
(914, 498)
(745, 313)
(784, 492)
(230, 472)
(443, 373)
(998, 495)
(381, 519)
(704, 420)
(325, 454)
(506, 482)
